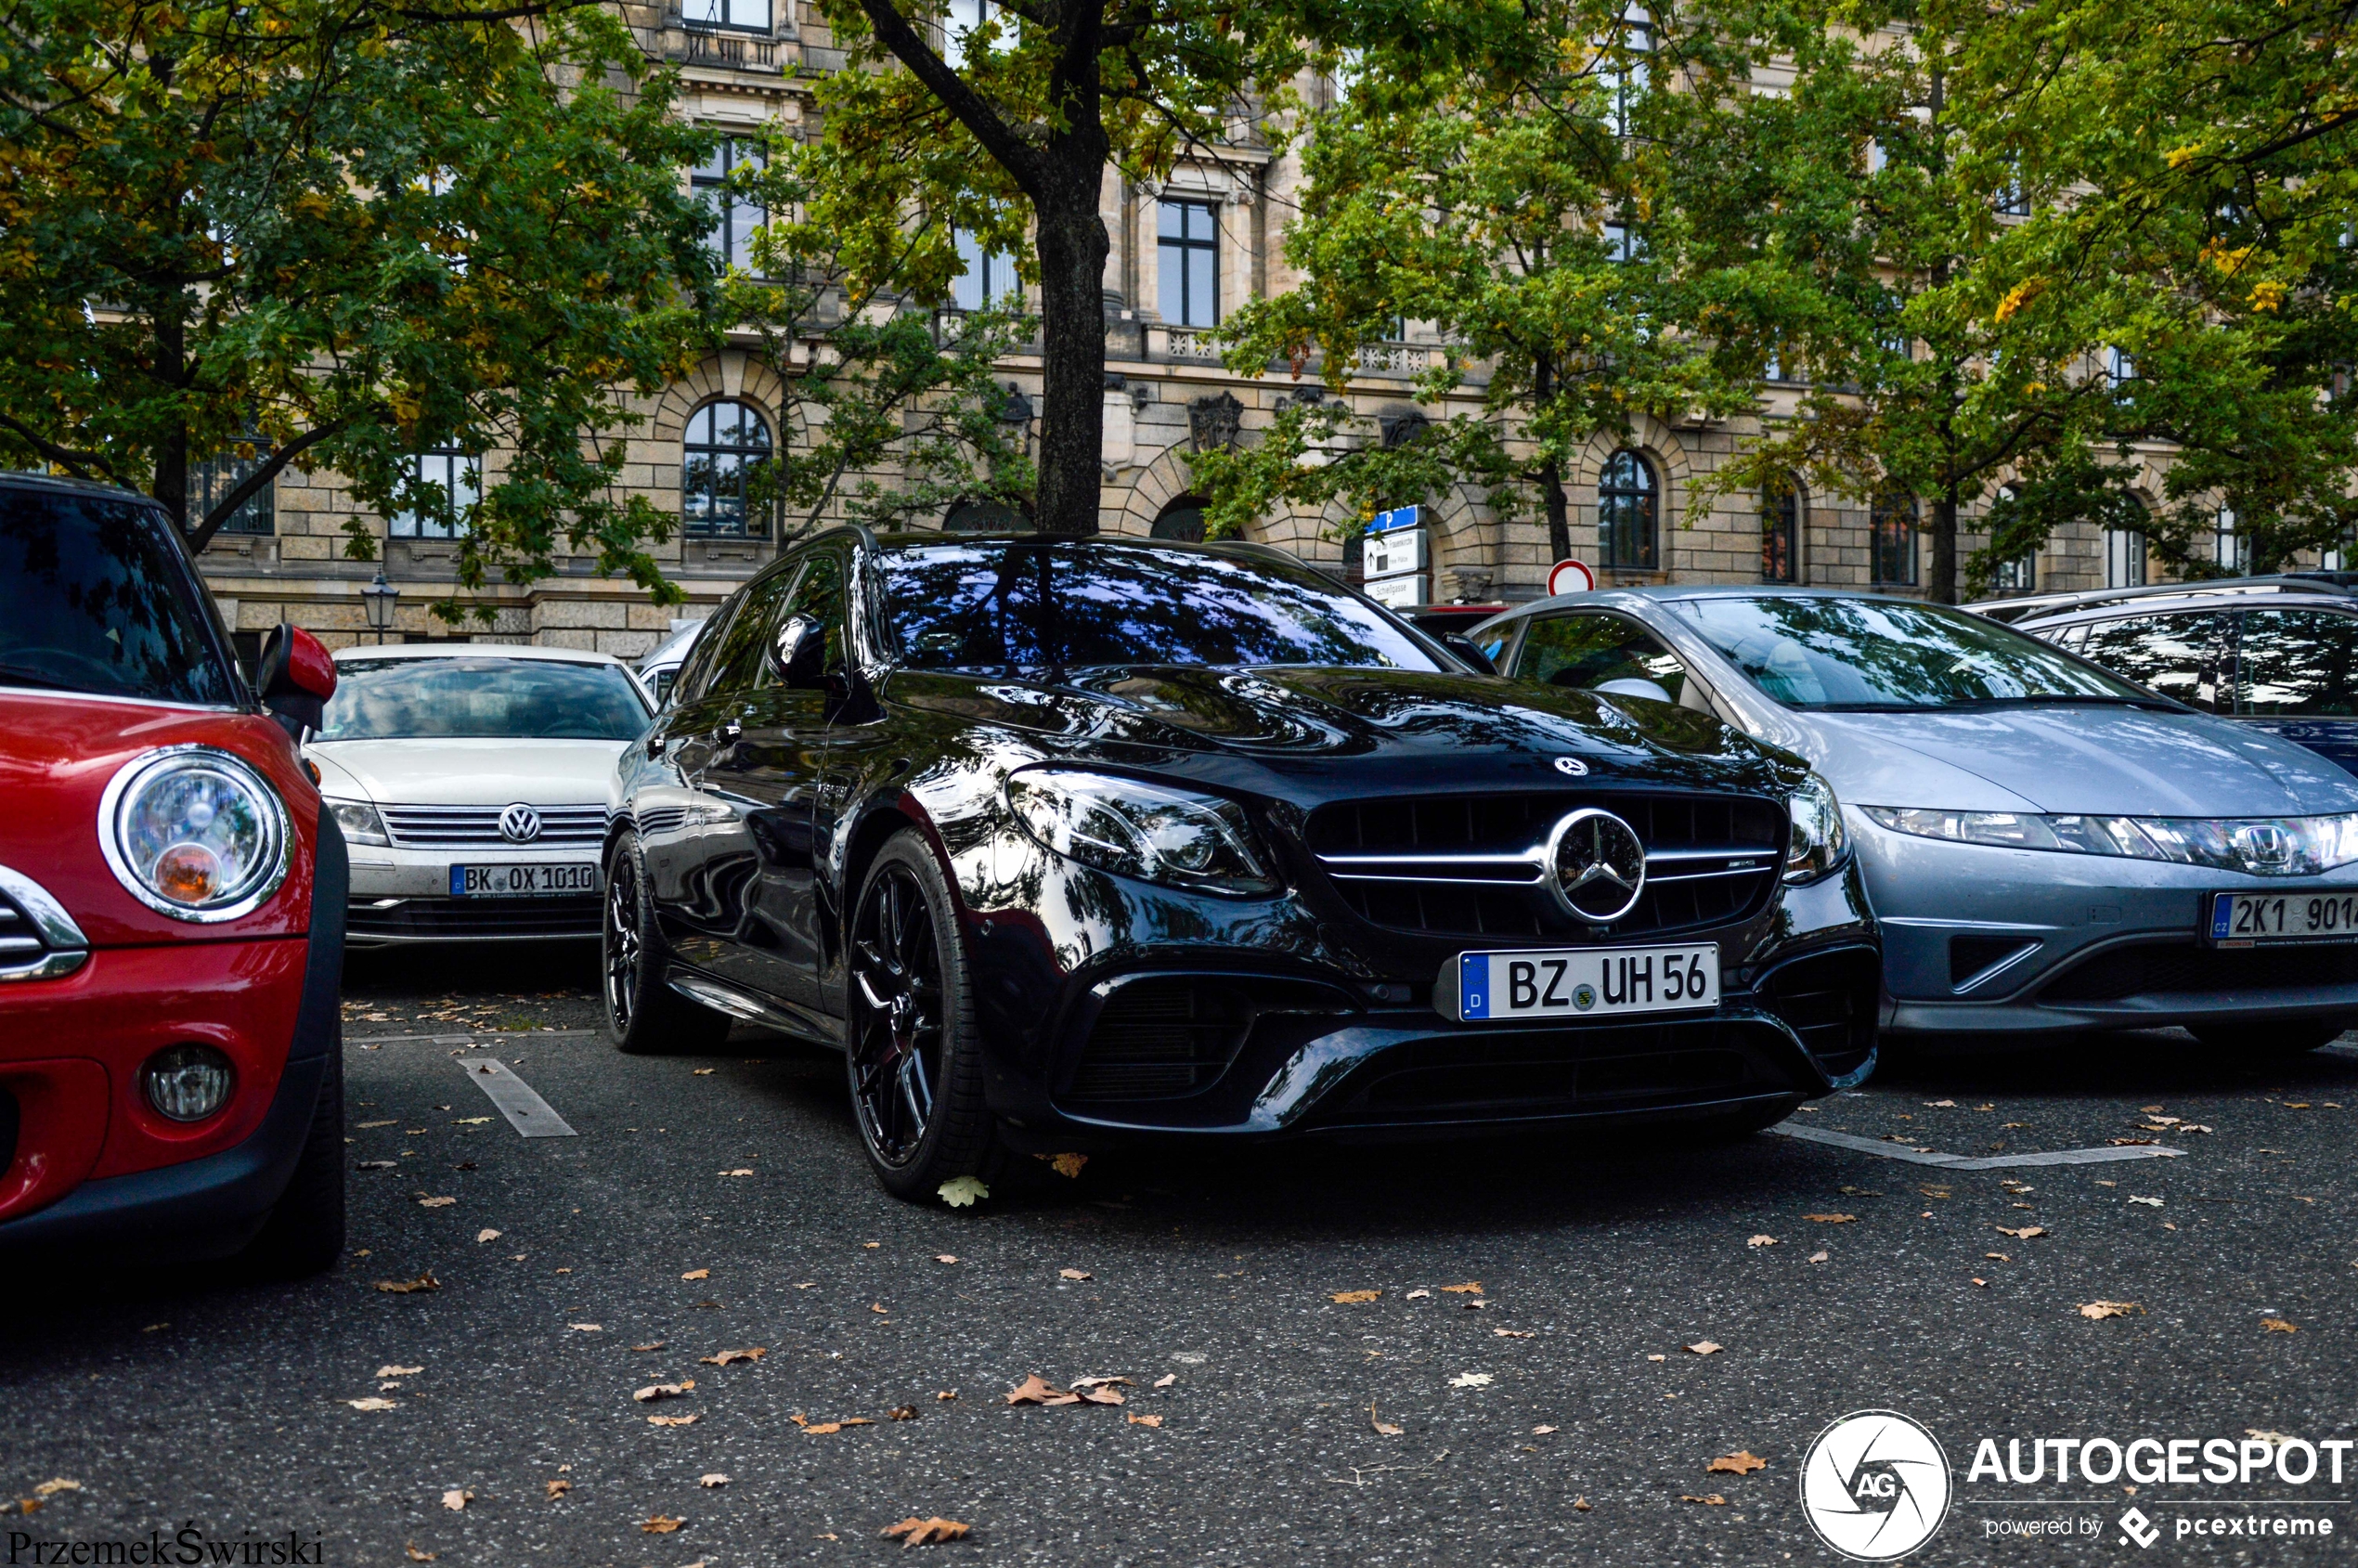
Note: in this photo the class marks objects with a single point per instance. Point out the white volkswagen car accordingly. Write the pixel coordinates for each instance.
(470, 781)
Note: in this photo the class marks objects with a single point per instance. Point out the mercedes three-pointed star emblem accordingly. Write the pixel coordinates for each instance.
(1597, 865)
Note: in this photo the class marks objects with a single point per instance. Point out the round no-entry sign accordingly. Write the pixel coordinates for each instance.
(1570, 576)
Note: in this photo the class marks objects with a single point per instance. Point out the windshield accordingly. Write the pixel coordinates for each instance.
(96, 596)
(993, 605)
(465, 698)
(1809, 653)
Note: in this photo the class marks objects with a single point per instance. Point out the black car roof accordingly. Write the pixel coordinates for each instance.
(2314, 596)
(27, 480)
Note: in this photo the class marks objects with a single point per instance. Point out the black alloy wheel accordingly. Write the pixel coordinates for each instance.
(642, 1013)
(914, 1065)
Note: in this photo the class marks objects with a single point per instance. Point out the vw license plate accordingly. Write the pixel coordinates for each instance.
(2247, 919)
(522, 881)
(1586, 982)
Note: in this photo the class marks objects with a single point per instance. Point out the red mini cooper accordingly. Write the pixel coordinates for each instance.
(171, 906)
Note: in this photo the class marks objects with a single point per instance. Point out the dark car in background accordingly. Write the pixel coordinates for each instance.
(2280, 653)
(1065, 842)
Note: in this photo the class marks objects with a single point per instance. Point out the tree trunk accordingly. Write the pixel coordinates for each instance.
(171, 485)
(1942, 589)
(1072, 246)
(1551, 487)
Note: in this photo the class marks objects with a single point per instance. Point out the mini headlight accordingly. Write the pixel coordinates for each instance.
(360, 822)
(1176, 837)
(1818, 842)
(194, 832)
(188, 1082)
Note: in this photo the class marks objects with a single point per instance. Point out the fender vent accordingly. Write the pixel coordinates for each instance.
(1161, 1037)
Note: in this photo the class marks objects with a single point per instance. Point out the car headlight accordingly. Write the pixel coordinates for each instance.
(194, 832)
(1817, 844)
(1155, 834)
(360, 822)
(2256, 847)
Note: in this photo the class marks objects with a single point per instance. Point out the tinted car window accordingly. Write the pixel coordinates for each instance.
(2177, 655)
(736, 656)
(1583, 651)
(96, 596)
(460, 698)
(1808, 652)
(995, 605)
(819, 596)
(2294, 663)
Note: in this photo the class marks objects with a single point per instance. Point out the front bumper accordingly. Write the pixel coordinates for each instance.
(1982, 940)
(402, 895)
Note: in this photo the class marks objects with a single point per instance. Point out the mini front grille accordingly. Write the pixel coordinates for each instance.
(19, 939)
(2180, 968)
(416, 919)
(38, 940)
(1475, 865)
(468, 827)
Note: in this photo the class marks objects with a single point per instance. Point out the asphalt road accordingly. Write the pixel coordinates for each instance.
(719, 1203)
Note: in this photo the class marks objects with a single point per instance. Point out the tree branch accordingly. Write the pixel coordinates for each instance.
(255, 482)
(998, 139)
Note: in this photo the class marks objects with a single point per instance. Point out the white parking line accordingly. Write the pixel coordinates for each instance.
(527, 1113)
(1913, 1156)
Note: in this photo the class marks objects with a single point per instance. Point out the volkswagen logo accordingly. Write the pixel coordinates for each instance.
(520, 823)
(1875, 1485)
(1597, 865)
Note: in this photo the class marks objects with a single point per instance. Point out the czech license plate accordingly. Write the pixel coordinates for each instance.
(522, 881)
(1586, 982)
(2247, 919)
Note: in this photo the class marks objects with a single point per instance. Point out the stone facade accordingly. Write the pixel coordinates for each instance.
(1165, 388)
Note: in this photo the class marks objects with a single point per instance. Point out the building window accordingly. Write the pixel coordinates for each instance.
(741, 15)
(210, 481)
(959, 21)
(2124, 558)
(2120, 370)
(1629, 511)
(1892, 521)
(1625, 242)
(1188, 249)
(1182, 520)
(460, 478)
(726, 444)
(1780, 534)
(734, 215)
(985, 278)
(2230, 549)
(1625, 71)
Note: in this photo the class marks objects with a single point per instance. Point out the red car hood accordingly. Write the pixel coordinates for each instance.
(57, 753)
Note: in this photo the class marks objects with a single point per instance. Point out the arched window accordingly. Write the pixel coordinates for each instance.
(726, 443)
(1781, 513)
(1892, 522)
(1629, 511)
(984, 517)
(2124, 558)
(1182, 520)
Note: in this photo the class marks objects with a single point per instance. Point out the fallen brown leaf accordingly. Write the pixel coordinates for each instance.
(947, 1394)
(1470, 1287)
(661, 1524)
(1074, 1274)
(1541, 1431)
(945, 1257)
(1741, 1462)
(435, 1202)
(457, 1499)
(821, 1429)
(663, 1391)
(389, 1371)
(1820, 1257)
(902, 1413)
(715, 1479)
(697, 1273)
(1037, 1390)
(913, 1531)
(415, 1555)
(752, 1353)
(558, 1488)
(1704, 1347)
(1069, 1165)
(1383, 1428)
(373, 1403)
(704, 1071)
(878, 1308)
(2278, 1325)
(656, 1345)
(1713, 1499)
(1516, 1333)
(1830, 1219)
(1170, 1378)
(404, 1287)
(51, 1489)
(674, 1421)
(2108, 1309)
(1138, 1421)
(585, 1328)
(1581, 1505)
(1761, 1241)
(1353, 1296)
(2024, 1234)
(1999, 1257)
(486, 1234)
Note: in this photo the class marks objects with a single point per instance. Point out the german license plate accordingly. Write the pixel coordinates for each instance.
(2249, 919)
(522, 881)
(1585, 982)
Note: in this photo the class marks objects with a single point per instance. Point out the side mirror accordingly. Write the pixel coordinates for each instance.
(295, 678)
(1463, 646)
(798, 652)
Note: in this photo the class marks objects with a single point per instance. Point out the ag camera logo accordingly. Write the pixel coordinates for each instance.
(1875, 1485)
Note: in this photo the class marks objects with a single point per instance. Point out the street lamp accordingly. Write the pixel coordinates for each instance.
(379, 599)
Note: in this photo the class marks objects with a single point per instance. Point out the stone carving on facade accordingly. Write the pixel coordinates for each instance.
(1215, 422)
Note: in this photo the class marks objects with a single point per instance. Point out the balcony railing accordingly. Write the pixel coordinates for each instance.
(728, 51)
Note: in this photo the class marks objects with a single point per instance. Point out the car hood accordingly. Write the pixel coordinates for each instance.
(467, 772)
(1322, 726)
(2119, 761)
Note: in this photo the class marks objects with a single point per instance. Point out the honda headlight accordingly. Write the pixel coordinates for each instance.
(1155, 834)
(1817, 844)
(360, 822)
(2256, 847)
(194, 832)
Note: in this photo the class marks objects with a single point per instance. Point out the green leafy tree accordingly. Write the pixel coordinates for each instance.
(336, 233)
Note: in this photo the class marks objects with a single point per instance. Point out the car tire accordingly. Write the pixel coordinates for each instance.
(304, 1232)
(914, 1064)
(640, 1014)
(2271, 1040)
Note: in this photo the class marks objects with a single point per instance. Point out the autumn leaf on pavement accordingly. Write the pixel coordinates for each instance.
(373, 1403)
(1348, 1297)
(1541, 1431)
(1100, 1391)
(457, 1499)
(1763, 1240)
(715, 1479)
(1516, 1333)
(486, 1234)
(415, 1555)
(1037, 1390)
(1820, 1257)
(1470, 1287)
(389, 1371)
(1471, 1380)
(960, 1192)
(1704, 1347)
(915, 1532)
(586, 1328)
(1069, 1165)
(901, 1413)
(821, 1429)
(1383, 1428)
(557, 1488)
(2108, 1309)
(1830, 1219)
(1713, 1499)
(661, 1524)
(1580, 1505)
(945, 1257)
(435, 1202)
(1138, 1420)
(405, 1287)
(697, 1273)
(1166, 1379)
(51, 1489)
(1742, 1462)
(2024, 1234)
(657, 1344)
(673, 1421)
(753, 1354)
(663, 1391)
(1074, 1274)
(2278, 1325)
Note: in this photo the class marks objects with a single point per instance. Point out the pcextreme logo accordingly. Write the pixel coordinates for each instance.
(1875, 1485)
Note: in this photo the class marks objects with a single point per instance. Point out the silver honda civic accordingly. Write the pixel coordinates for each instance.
(2049, 847)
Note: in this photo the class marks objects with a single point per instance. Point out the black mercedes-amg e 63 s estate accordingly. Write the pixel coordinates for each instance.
(1065, 842)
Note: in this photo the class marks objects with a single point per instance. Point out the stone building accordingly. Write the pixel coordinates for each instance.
(1183, 255)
